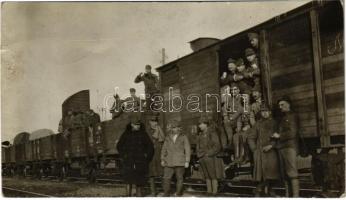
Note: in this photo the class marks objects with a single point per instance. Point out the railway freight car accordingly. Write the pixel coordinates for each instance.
(301, 55)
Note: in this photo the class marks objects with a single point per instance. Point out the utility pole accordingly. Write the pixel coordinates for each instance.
(163, 52)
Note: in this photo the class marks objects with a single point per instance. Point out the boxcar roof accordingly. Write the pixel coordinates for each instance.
(274, 20)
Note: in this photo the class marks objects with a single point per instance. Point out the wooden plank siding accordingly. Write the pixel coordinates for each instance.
(112, 130)
(291, 70)
(300, 57)
(332, 56)
(199, 76)
(170, 78)
(78, 143)
(46, 150)
(28, 151)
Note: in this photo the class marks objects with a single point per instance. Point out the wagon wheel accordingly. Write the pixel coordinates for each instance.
(92, 175)
(24, 172)
(40, 173)
(62, 173)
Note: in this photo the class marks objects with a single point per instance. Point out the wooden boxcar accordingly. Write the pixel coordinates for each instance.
(301, 55)
(29, 151)
(46, 147)
(78, 147)
(112, 131)
(20, 154)
(12, 153)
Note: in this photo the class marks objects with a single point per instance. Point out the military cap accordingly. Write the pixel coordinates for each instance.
(239, 62)
(174, 123)
(285, 98)
(264, 107)
(147, 67)
(252, 35)
(230, 60)
(132, 90)
(154, 118)
(249, 52)
(233, 85)
(256, 90)
(204, 119)
(134, 118)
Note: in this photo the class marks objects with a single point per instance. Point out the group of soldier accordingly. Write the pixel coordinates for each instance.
(78, 119)
(270, 145)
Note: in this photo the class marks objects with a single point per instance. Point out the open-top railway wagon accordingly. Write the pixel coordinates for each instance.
(301, 55)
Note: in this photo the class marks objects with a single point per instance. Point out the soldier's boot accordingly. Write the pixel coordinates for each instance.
(166, 187)
(152, 187)
(138, 191)
(179, 186)
(295, 187)
(129, 190)
(209, 186)
(215, 186)
(287, 189)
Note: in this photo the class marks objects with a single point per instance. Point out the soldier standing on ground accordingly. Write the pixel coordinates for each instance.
(175, 157)
(208, 146)
(266, 162)
(157, 137)
(136, 150)
(287, 145)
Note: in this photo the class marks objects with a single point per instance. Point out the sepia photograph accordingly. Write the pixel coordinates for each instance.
(173, 99)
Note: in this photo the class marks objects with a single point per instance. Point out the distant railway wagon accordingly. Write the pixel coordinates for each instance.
(301, 55)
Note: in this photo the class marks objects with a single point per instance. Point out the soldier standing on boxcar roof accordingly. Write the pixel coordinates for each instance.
(151, 84)
(136, 150)
(253, 39)
(157, 137)
(116, 109)
(133, 102)
(266, 162)
(208, 146)
(287, 145)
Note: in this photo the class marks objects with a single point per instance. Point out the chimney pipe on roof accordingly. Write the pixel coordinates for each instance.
(202, 42)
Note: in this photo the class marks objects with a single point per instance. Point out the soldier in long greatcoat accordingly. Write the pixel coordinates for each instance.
(266, 162)
(208, 146)
(136, 150)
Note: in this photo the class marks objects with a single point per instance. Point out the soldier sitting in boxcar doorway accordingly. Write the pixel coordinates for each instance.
(227, 78)
(253, 39)
(252, 71)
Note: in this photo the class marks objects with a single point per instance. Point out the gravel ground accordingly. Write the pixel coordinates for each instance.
(64, 189)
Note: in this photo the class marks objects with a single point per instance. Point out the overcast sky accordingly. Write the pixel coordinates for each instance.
(51, 50)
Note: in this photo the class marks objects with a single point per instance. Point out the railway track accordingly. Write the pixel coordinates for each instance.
(14, 192)
(227, 188)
